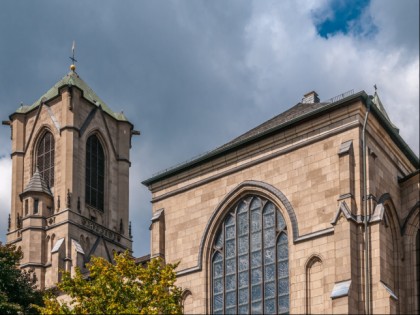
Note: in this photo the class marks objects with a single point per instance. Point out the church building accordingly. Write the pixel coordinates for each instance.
(70, 176)
(314, 211)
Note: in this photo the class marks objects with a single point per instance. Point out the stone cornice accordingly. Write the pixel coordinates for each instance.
(71, 128)
(18, 153)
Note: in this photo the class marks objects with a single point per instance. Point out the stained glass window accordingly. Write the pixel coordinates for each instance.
(95, 173)
(250, 260)
(45, 158)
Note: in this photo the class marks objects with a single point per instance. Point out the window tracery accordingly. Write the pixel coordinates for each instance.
(95, 173)
(250, 260)
(45, 158)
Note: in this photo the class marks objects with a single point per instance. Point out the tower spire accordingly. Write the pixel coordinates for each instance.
(73, 66)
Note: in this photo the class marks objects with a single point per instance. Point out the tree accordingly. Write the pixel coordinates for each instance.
(120, 288)
(18, 292)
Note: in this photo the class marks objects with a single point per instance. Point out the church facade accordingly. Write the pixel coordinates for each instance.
(314, 211)
(70, 160)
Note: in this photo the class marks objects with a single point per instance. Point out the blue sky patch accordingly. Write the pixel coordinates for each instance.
(344, 16)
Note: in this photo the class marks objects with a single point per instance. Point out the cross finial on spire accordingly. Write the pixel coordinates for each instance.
(73, 66)
(375, 87)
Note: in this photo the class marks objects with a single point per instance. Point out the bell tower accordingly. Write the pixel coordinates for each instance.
(70, 178)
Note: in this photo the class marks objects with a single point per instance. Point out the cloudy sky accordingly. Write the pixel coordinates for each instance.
(192, 75)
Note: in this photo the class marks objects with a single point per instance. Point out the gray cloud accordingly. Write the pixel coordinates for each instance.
(398, 24)
(192, 75)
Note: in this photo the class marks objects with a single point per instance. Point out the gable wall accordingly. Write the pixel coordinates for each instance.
(303, 163)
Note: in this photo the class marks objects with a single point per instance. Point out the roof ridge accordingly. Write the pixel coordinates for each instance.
(297, 110)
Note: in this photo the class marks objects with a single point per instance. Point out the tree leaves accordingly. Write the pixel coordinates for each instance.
(120, 288)
(18, 292)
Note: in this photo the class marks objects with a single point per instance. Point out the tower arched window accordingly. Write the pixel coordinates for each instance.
(250, 260)
(95, 173)
(45, 158)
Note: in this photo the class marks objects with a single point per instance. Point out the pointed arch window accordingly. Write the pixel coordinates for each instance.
(95, 173)
(45, 158)
(250, 260)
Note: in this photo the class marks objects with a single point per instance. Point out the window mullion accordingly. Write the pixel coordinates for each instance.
(263, 240)
(262, 258)
(95, 177)
(90, 170)
(96, 174)
(224, 267)
(249, 256)
(276, 261)
(237, 258)
(45, 159)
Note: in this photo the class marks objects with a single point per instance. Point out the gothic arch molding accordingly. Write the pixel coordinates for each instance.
(105, 147)
(391, 242)
(397, 251)
(312, 261)
(40, 133)
(33, 133)
(390, 211)
(247, 187)
(87, 123)
(104, 143)
(410, 233)
(186, 297)
(390, 216)
(411, 220)
(388, 203)
(103, 202)
(185, 294)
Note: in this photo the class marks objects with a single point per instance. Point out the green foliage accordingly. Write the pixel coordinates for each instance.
(120, 288)
(18, 292)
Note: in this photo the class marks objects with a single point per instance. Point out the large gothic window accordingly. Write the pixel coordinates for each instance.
(95, 173)
(45, 158)
(250, 260)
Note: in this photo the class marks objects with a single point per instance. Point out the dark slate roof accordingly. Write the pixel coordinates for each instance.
(298, 110)
(73, 79)
(293, 115)
(37, 184)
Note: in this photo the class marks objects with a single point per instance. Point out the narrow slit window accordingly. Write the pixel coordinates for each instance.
(36, 205)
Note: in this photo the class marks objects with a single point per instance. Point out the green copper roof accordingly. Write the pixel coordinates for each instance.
(73, 79)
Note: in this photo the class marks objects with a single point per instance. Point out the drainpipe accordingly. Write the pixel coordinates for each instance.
(365, 211)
